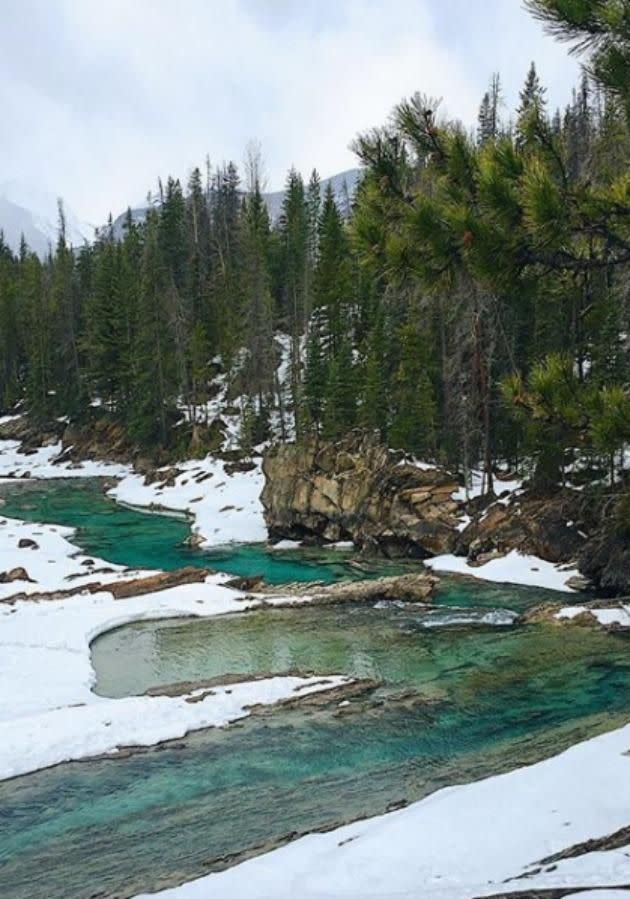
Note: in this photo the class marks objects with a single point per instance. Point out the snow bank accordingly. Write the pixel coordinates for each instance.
(618, 615)
(461, 842)
(41, 464)
(225, 507)
(514, 568)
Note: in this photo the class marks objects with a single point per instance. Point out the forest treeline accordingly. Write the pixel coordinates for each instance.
(474, 305)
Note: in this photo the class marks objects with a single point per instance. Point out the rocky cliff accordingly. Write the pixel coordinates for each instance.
(359, 490)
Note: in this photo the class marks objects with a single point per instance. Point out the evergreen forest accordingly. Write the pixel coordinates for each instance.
(472, 305)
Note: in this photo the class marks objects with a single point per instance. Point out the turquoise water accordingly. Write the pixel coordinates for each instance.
(142, 540)
(454, 703)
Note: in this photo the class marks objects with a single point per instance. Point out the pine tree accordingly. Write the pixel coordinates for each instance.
(316, 373)
(340, 400)
(259, 367)
(532, 108)
(332, 282)
(155, 369)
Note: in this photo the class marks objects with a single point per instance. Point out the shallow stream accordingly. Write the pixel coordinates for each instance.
(462, 694)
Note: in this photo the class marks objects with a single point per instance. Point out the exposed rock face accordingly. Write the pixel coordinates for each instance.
(359, 490)
(605, 559)
(545, 527)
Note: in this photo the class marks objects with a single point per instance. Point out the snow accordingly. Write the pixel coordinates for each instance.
(53, 563)
(619, 615)
(41, 464)
(461, 842)
(48, 711)
(286, 544)
(225, 508)
(476, 488)
(513, 568)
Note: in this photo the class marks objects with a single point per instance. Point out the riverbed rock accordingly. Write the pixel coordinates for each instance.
(417, 587)
(359, 490)
(27, 543)
(15, 574)
(164, 580)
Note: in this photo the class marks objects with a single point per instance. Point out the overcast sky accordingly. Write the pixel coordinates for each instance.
(99, 98)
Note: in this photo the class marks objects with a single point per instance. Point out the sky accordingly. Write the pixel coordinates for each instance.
(98, 98)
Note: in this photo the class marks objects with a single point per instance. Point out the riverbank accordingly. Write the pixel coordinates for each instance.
(459, 843)
(560, 825)
(222, 501)
(48, 710)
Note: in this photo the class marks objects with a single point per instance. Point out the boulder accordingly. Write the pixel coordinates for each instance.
(15, 574)
(27, 543)
(545, 527)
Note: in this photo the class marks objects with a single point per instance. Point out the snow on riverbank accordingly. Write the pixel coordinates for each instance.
(225, 507)
(462, 842)
(608, 617)
(513, 568)
(48, 712)
(49, 559)
(41, 463)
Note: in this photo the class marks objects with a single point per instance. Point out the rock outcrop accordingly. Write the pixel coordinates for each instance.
(547, 527)
(359, 490)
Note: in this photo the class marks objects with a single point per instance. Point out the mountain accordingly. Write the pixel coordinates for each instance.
(343, 184)
(33, 213)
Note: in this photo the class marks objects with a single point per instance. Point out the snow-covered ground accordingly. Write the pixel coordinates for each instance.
(461, 842)
(48, 712)
(225, 507)
(513, 568)
(608, 617)
(41, 463)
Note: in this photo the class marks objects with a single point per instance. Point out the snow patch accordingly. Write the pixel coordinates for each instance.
(514, 568)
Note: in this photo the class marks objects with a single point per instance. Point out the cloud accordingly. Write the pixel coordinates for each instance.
(99, 99)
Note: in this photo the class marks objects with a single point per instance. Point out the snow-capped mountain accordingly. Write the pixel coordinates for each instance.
(27, 211)
(34, 213)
